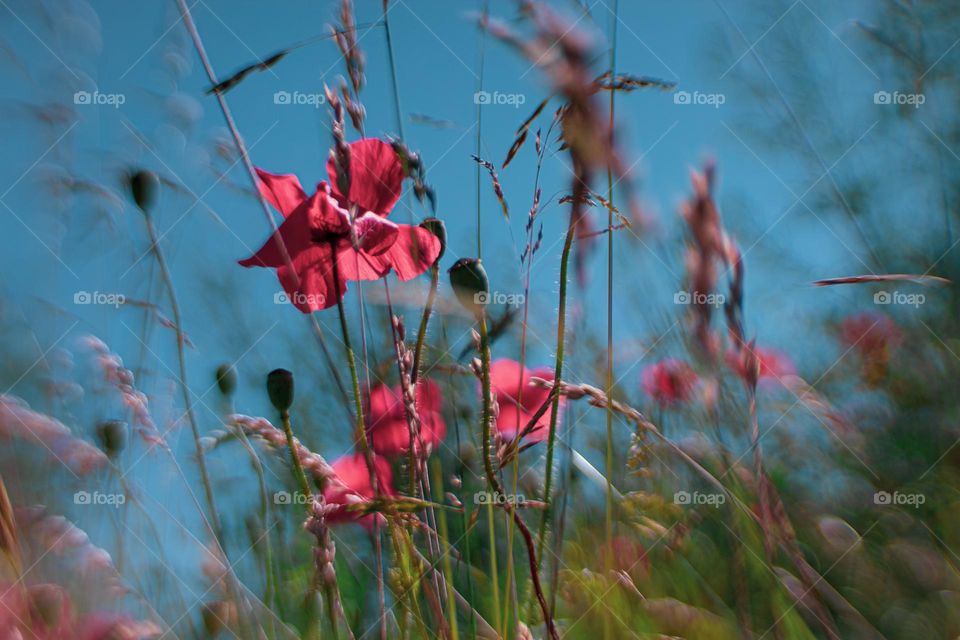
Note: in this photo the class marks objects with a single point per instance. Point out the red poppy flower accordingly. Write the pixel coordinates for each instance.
(387, 418)
(317, 230)
(507, 380)
(354, 475)
(669, 381)
(773, 364)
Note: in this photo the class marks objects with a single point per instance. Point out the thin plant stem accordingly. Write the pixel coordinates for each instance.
(554, 399)
(251, 172)
(185, 390)
(257, 465)
(444, 541)
(424, 321)
(488, 468)
(332, 598)
(609, 373)
(482, 31)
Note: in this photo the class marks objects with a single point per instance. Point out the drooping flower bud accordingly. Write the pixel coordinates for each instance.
(469, 281)
(227, 379)
(112, 435)
(280, 389)
(144, 185)
(437, 228)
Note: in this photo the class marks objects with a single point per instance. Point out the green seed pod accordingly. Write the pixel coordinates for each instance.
(469, 281)
(437, 228)
(144, 186)
(112, 435)
(227, 379)
(280, 389)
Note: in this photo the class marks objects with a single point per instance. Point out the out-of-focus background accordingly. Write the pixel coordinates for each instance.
(831, 125)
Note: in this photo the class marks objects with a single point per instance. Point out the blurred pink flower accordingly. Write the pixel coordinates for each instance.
(353, 485)
(519, 400)
(387, 418)
(669, 381)
(770, 362)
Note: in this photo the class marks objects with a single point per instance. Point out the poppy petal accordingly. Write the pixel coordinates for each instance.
(360, 265)
(375, 234)
(415, 251)
(313, 271)
(293, 233)
(283, 191)
(376, 176)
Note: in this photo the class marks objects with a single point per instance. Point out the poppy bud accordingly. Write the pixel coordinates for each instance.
(437, 228)
(280, 389)
(144, 186)
(112, 435)
(469, 281)
(227, 379)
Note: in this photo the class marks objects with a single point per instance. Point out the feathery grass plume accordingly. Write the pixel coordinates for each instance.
(121, 379)
(341, 150)
(345, 35)
(922, 278)
(18, 421)
(231, 81)
(709, 247)
(414, 169)
(495, 180)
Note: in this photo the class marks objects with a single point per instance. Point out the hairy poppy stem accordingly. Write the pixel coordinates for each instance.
(555, 390)
(425, 320)
(495, 483)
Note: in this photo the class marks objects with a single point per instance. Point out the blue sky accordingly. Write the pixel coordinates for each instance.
(54, 247)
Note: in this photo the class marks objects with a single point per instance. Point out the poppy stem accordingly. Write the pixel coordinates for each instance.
(425, 320)
(495, 483)
(557, 376)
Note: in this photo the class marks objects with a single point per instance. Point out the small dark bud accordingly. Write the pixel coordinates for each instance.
(144, 186)
(280, 389)
(437, 228)
(227, 379)
(112, 435)
(469, 281)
